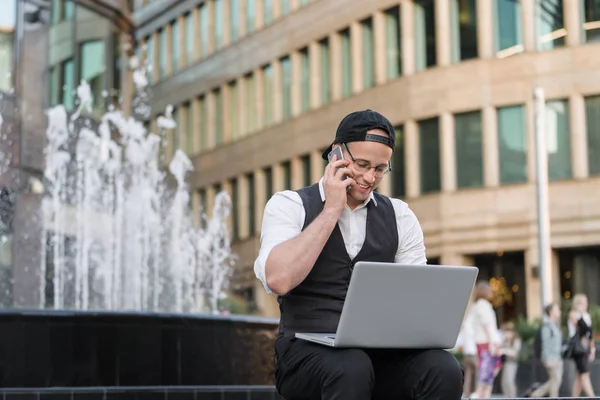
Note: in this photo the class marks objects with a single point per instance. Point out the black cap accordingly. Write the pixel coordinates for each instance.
(354, 127)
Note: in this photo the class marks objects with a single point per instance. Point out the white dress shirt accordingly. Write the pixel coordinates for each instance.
(284, 217)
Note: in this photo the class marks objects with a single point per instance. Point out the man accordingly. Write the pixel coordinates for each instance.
(551, 355)
(310, 241)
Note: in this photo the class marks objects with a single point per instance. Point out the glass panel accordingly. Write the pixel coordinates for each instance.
(233, 110)
(346, 63)
(464, 29)
(176, 132)
(162, 54)
(398, 161)
(189, 38)
(218, 117)
(591, 15)
(234, 19)
(251, 199)
(306, 170)
(68, 9)
(204, 30)
(268, 11)
(425, 42)
(235, 230)
(250, 103)
(325, 72)
(68, 84)
(189, 130)
(93, 68)
(287, 176)
(429, 151)
(250, 15)
(268, 183)
(175, 46)
(592, 113)
(203, 124)
(393, 43)
(512, 144)
(469, 149)
(550, 24)
(56, 11)
(286, 86)
(305, 79)
(558, 140)
(368, 54)
(507, 22)
(267, 95)
(285, 7)
(218, 21)
(150, 58)
(54, 84)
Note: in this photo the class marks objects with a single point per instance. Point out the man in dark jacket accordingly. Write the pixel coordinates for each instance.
(310, 241)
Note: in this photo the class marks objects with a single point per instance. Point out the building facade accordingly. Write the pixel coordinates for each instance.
(259, 86)
(48, 44)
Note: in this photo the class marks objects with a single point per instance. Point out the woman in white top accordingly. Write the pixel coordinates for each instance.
(580, 323)
(485, 327)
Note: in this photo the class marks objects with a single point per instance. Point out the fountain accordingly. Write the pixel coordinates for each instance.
(132, 288)
(135, 246)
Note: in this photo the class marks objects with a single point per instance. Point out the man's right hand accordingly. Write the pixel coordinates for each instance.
(335, 186)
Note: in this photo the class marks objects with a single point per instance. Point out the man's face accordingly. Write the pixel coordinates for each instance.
(365, 153)
(555, 313)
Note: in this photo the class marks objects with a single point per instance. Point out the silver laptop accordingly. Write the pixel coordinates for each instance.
(402, 306)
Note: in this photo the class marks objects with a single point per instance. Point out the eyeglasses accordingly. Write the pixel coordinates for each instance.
(364, 166)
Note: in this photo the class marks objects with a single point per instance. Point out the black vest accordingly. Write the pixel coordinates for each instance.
(316, 304)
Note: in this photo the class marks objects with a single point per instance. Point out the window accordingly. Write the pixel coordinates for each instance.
(306, 179)
(54, 85)
(175, 46)
(592, 114)
(204, 30)
(203, 123)
(234, 19)
(285, 7)
(268, 11)
(550, 24)
(469, 149)
(429, 152)
(346, 74)
(268, 182)
(202, 210)
(235, 230)
(267, 95)
(287, 175)
(393, 42)
(218, 117)
(189, 38)
(507, 24)
(325, 71)
(398, 161)
(368, 54)
(250, 103)
(591, 24)
(558, 140)
(464, 29)
(512, 144)
(68, 84)
(286, 86)
(304, 80)
(233, 110)
(425, 41)
(251, 200)
(68, 9)
(174, 134)
(93, 68)
(189, 130)
(162, 54)
(218, 21)
(250, 15)
(150, 64)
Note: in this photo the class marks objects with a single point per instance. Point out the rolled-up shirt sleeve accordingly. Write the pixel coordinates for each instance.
(411, 244)
(283, 219)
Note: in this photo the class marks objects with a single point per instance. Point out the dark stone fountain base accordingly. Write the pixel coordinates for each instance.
(43, 348)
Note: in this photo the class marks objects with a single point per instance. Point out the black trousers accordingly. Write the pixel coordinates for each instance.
(308, 371)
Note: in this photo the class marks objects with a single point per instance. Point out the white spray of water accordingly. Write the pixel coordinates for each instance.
(135, 244)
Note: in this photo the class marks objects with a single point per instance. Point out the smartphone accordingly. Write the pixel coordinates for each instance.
(337, 151)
